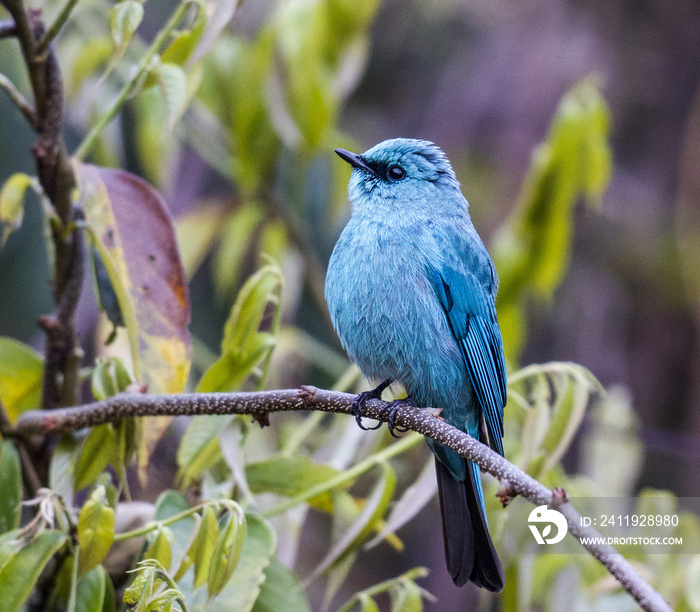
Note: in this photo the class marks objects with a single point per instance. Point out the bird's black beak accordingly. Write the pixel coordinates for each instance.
(355, 160)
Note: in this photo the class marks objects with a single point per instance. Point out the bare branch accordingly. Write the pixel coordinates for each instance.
(420, 420)
(18, 100)
(57, 179)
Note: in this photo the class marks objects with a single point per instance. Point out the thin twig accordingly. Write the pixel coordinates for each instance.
(132, 84)
(7, 29)
(18, 100)
(311, 398)
(56, 26)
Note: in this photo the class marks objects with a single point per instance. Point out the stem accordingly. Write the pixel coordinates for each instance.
(56, 26)
(130, 86)
(165, 577)
(387, 585)
(151, 525)
(230, 506)
(348, 475)
(74, 581)
(18, 100)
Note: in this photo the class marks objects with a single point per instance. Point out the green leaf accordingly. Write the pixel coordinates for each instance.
(19, 575)
(11, 487)
(413, 500)
(227, 553)
(183, 43)
(290, 476)
(367, 604)
(95, 592)
(568, 412)
(302, 30)
(168, 504)
(160, 548)
(124, 18)
(103, 383)
(110, 376)
(532, 248)
(10, 544)
(373, 510)
(407, 598)
(199, 448)
(231, 370)
(243, 588)
(62, 466)
(100, 449)
(139, 590)
(552, 420)
(244, 347)
(234, 88)
(21, 371)
(280, 591)
(95, 530)
(12, 204)
(241, 330)
(173, 85)
(146, 273)
(190, 550)
(155, 145)
(207, 537)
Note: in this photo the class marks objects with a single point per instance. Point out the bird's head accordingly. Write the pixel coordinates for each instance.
(400, 173)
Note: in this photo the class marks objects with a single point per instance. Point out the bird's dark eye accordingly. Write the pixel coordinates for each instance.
(395, 173)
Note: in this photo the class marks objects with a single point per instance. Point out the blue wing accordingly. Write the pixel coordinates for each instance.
(471, 313)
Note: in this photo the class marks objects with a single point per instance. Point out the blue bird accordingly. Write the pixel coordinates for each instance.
(410, 290)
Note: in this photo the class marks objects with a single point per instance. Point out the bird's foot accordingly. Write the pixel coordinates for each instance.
(360, 401)
(394, 408)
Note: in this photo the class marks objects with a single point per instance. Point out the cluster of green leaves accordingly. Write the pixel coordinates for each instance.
(532, 248)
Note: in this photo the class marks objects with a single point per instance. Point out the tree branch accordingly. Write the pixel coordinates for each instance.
(57, 179)
(422, 421)
(18, 100)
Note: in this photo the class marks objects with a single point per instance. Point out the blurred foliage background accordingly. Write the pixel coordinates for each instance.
(240, 143)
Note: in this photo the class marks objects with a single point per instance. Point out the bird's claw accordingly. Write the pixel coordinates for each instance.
(394, 408)
(359, 404)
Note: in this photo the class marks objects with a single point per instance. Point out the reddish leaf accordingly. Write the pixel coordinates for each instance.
(133, 231)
